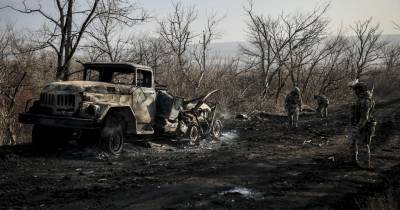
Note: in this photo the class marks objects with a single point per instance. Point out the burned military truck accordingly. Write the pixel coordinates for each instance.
(112, 102)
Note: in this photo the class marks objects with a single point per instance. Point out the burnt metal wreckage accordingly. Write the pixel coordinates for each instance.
(112, 102)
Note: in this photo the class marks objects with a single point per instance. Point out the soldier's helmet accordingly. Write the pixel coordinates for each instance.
(296, 90)
(360, 86)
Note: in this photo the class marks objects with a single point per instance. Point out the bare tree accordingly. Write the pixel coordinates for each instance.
(334, 68)
(104, 34)
(283, 43)
(63, 32)
(61, 36)
(266, 43)
(304, 33)
(12, 75)
(148, 51)
(391, 58)
(201, 51)
(177, 33)
(367, 46)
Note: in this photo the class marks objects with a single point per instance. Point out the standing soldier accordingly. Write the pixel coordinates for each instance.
(323, 103)
(362, 121)
(293, 105)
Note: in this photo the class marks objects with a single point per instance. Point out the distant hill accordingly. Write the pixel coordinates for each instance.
(394, 38)
(231, 49)
(226, 49)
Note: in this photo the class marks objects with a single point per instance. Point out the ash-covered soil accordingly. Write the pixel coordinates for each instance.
(257, 164)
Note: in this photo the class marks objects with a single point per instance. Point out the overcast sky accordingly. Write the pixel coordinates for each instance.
(341, 13)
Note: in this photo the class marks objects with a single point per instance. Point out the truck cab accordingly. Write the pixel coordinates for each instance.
(112, 101)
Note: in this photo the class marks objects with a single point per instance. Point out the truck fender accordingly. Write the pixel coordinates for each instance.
(126, 114)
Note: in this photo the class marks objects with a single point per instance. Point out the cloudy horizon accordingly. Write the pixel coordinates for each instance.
(341, 13)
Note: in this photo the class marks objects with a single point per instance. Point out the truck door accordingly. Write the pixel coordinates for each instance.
(144, 97)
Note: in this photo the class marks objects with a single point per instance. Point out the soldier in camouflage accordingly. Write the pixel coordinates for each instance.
(362, 121)
(293, 105)
(323, 103)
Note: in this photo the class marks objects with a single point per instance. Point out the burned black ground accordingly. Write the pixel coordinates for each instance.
(258, 164)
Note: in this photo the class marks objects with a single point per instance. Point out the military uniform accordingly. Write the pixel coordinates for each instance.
(293, 105)
(323, 103)
(362, 120)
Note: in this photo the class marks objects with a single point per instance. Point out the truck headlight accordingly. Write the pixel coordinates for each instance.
(90, 109)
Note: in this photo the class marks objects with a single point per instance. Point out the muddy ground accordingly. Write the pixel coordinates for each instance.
(257, 164)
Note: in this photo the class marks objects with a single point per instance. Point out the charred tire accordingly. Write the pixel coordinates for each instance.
(194, 134)
(216, 130)
(112, 141)
(47, 138)
(112, 136)
(39, 138)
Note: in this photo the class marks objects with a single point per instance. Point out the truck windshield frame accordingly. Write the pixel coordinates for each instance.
(139, 77)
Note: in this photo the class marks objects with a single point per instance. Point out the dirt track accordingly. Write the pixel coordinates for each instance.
(257, 165)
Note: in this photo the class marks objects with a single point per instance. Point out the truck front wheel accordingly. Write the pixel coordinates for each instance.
(47, 138)
(112, 136)
(39, 137)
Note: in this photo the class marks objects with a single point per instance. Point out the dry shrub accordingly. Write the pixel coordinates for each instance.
(386, 85)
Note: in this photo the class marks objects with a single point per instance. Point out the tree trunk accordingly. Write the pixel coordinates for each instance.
(68, 43)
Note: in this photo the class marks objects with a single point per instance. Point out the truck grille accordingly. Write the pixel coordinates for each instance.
(59, 100)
